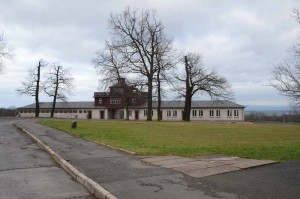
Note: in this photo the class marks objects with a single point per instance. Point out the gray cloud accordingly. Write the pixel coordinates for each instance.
(242, 40)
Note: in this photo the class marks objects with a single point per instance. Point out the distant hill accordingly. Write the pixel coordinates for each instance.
(266, 108)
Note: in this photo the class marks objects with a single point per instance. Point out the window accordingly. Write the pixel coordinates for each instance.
(74, 111)
(211, 113)
(229, 113)
(56, 111)
(80, 111)
(129, 113)
(200, 113)
(60, 111)
(133, 100)
(115, 101)
(84, 111)
(218, 113)
(236, 113)
(168, 113)
(194, 113)
(146, 112)
(175, 113)
(100, 100)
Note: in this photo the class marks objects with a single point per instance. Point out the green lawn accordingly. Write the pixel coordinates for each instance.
(258, 141)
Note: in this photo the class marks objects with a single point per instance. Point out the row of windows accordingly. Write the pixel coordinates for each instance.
(200, 113)
(146, 113)
(56, 111)
(115, 100)
(212, 113)
(171, 113)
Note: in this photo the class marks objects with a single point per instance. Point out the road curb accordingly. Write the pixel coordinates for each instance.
(88, 183)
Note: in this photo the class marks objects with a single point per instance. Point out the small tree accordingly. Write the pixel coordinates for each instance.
(31, 86)
(197, 79)
(58, 83)
(5, 51)
(286, 76)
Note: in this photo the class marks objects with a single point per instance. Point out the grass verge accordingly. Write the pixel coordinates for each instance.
(258, 141)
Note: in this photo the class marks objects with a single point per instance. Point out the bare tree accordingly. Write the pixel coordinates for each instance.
(5, 51)
(197, 79)
(58, 83)
(286, 76)
(165, 60)
(136, 34)
(286, 79)
(31, 86)
(109, 64)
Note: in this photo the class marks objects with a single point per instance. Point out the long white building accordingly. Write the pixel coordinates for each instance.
(113, 105)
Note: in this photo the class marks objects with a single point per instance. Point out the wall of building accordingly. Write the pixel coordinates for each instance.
(237, 114)
(223, 116)
(62, 113)
(176, 114)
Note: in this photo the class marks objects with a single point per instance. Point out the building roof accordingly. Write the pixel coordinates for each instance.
(195, 104)
(63, 105)
(164, 105)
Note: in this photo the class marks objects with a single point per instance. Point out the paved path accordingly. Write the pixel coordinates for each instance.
(127, 176)
(205, 165)
(27, 172)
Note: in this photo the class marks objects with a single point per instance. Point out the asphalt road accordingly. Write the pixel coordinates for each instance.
(126, 176)
(26, 172)
(276, 181)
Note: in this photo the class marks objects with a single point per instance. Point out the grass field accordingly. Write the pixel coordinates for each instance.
(258, 141)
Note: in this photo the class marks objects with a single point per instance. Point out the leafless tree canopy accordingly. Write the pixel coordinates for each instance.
(198, 79)
(138, 46)
(5, 51)
(31, 86)
(58, 84)
(286, 79)
(109, 64)
(286, 76)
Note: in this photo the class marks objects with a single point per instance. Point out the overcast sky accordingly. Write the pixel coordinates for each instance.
(241, 40)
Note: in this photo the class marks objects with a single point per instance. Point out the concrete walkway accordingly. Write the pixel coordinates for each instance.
(206, 165)
(27, 172)
(128, 176)
(123, 175)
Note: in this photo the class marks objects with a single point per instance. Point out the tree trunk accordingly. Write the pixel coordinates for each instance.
(37, 103)
(188, 93)
(55, 93)
(127, 108)
(187, 106)
(158, 97)
(149, 113)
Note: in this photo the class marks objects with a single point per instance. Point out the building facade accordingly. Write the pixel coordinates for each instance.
(123, 100)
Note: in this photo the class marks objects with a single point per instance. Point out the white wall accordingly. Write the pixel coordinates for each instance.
(79, 113)
(223, 115)
(82, 114)
(172, 116)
